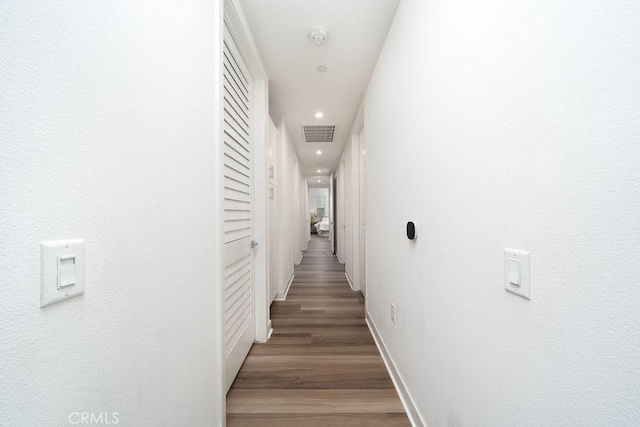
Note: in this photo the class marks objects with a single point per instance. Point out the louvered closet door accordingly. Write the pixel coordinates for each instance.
(238, 254)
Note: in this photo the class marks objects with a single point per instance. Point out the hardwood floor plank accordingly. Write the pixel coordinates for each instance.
(317, 349)
(249, 401)
(346, 372)
(319, 420)
(321, 366)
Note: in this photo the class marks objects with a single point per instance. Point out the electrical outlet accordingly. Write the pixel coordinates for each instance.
(393, 313)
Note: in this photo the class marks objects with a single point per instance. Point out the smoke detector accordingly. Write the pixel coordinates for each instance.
(319, 34)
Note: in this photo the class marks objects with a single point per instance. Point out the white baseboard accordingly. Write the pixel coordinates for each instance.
(270, 328)
(405, 397)
(281, 296)
(339, 259)
(300, 259)
(349, 280)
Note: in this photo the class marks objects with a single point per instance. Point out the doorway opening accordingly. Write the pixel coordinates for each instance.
(319, 214)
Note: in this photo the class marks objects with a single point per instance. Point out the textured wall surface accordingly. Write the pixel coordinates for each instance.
(106, 133)
(288, 252)
(497, 124)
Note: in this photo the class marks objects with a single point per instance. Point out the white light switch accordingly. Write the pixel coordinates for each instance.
(66, 270)
(517, 272)
(62, 270)
(514, 272)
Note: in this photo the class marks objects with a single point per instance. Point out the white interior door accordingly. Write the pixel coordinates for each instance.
(238, 210)
(332, 215)
(296, 212)
(348, 219)
(341, 222)
(363, 201)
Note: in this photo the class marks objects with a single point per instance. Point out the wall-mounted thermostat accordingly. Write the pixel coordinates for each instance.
(412, 232)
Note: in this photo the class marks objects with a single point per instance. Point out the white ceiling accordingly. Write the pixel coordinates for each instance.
(357, 30)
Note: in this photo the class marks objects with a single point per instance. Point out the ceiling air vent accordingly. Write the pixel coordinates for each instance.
(315, 133)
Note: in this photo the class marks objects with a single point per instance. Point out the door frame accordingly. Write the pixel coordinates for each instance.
(218, 304)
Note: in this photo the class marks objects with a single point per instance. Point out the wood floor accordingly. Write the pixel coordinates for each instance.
(321, 367)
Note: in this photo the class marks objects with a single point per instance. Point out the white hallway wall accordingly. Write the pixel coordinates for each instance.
(272, 202)
(300, 220)
(291, 201)
(108, 132)
(348, 168)
(494, 124)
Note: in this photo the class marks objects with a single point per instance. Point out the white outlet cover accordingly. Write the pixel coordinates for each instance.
(524, 258)
(50, 254)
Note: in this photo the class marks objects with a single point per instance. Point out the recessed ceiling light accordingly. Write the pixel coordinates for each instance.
(318, 152)
(319, 171)
(319, 180)
(319, 115)
(321, 69)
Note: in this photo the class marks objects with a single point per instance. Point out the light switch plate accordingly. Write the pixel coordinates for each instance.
(524, 260)
(55, 278)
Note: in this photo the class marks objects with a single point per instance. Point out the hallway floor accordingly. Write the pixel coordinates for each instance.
(321, 366)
